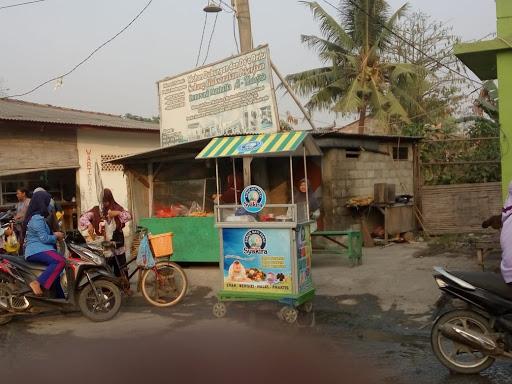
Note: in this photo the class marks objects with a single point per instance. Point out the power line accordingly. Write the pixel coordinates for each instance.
(202, 38)
(234, 33)
(233, 10)
(404, 40)
(211, 37)
(88, 57)
(20, 4)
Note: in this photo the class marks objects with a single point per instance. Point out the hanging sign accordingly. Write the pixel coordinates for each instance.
(253, 199)
(232, 97)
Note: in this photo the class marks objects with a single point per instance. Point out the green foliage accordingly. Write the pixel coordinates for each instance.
(356, 77)
(154, 119)
(437, 94)
(480, 153)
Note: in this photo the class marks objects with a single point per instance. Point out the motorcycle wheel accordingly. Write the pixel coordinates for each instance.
(455, 356)
(5, 293)
(164, 285)
(96, 310)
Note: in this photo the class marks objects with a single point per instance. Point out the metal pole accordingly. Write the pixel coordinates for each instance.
(151, 188)
(291, 180)
(234, 180)
(294, 97)
(307, 183)
(243, 16)
(217, 182)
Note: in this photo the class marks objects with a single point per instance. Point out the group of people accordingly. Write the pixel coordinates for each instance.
(35, 224)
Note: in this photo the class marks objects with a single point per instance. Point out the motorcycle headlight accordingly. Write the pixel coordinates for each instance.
(441, 283)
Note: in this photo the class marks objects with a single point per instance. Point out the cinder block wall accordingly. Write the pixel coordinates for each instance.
(343, 178)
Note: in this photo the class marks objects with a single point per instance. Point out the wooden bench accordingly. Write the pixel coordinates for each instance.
(354, 245)
(484, 247)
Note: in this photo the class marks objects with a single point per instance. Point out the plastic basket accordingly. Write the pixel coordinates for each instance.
(161, 244)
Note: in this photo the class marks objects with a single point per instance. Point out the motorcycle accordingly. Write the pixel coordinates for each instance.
(474, 325)
(88, 284)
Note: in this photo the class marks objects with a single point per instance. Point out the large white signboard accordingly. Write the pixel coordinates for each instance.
(235, 96)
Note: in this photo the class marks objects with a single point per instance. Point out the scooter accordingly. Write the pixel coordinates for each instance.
(88, 284)
(474, 322)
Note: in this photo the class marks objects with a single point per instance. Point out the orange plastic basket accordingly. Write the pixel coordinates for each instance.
(161, 244)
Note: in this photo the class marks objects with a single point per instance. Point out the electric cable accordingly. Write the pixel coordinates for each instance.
(211, 37)
(87, 58)
(20, 4)
(202, 38)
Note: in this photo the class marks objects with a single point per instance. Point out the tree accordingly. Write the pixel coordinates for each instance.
(437, 94)
(154, 119)
(356, 77)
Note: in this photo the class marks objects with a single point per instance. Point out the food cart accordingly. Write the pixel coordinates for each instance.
(265, 249)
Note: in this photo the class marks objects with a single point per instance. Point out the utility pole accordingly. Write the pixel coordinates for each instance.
(243, 15)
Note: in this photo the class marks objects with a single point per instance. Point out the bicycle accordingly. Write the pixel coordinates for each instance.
(163, 285)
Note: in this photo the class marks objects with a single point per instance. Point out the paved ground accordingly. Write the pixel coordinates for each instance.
(370, 325)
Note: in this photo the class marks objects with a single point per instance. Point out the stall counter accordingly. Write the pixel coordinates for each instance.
(195, 238)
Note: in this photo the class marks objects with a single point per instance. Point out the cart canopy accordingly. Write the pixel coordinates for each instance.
(268, 145)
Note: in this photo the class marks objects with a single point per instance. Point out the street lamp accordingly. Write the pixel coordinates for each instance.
(212, 7)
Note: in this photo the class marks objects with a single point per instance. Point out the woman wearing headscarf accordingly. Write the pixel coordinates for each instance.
(506, 238)
(300, 196)
(90, 222)
(40, 243)
(118, 216)
(231, 194)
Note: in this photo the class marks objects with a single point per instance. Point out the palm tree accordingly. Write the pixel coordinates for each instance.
(355, 78)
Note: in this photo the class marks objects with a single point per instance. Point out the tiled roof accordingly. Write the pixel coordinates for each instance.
(25, 111)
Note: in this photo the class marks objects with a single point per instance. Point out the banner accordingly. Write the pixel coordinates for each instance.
(232, 97)
(257, 260)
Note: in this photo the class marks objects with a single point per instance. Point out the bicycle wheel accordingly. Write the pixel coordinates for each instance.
(164, 285)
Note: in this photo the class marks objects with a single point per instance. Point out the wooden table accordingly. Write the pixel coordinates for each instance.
(398, 218)
(354, 244)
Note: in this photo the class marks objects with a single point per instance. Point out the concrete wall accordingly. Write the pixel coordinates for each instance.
(92, 143)
(343, 178)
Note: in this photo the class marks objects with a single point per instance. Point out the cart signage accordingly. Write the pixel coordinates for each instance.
(257, 260)
(303, 241)
(253, 198)
(250, 146)
(255, 242)
(231, 97)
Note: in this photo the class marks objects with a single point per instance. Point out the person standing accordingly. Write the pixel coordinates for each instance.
(40, 244)
(116, 218)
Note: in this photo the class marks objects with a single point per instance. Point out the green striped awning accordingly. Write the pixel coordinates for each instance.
(251, 145)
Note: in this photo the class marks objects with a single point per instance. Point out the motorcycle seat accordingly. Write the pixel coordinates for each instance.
(489, 281)
(20, 260)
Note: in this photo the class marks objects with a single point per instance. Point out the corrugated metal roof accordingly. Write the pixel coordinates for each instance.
(330, 132)
(25, 111)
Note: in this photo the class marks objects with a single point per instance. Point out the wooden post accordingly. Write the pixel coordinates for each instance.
(243, 15)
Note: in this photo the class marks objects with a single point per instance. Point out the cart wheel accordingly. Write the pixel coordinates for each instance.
(307, 307)
(219, 310)
(289, 314)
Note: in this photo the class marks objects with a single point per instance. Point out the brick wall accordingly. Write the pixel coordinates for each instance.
(344, 177)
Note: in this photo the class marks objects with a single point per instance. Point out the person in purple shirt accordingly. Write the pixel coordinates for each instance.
(506, 238)
(40, 244)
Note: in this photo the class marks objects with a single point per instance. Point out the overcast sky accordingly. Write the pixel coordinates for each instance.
(43, 40)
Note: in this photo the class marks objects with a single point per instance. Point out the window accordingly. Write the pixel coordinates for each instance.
(352, 153)
(109, 167)
(400, 153)
(61, 184)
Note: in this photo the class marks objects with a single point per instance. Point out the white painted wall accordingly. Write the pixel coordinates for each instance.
(94, 142)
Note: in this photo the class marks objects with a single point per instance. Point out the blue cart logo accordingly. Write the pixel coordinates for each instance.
(255, 242)
(253, 199)
(249, 146)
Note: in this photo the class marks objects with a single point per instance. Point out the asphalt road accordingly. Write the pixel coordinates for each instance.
(346, 339)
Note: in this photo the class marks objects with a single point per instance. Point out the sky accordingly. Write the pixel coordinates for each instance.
(44, 40)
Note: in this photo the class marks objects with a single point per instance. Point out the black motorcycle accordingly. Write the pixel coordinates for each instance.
(88, 284)
(475, 325)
